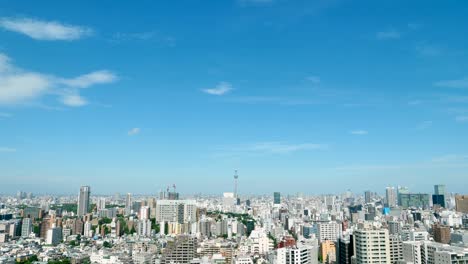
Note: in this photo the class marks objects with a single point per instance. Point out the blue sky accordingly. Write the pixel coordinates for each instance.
(299, 96)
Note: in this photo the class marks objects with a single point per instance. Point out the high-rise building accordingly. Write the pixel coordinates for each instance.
(439, 189)
(54, 236)
(228, 199)
(328, 251)
(367, 196)
(417, 200)
(391, 197)
(83, 200)
(26, 227)
(88, 232)
(372, 246)
(144, 213)
(182, 250)
(461, 203)
(277, 198)
(441, 233)
(144, 228)
(128, 204)
(101, 203)
(396, 248)
(394, 227)
(345, 250)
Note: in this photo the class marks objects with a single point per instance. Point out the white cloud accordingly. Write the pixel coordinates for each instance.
(359, 132)
(220, 89)
(461, 119)
(389, 34)
(5, 149)
(44, 30)
(87, 80)
(19, 86)
(74, 100)
(134, 131)
(459, 83)
(313, 79)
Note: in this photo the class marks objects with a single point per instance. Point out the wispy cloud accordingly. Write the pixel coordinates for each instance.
(314, 79)
(44, 30)
(87, 80)
(220, 89)
(134, 131)
(359, 132)
(388, 34)
(19, 86)
(457, 83)
(268, 148)
(5, 149)
(73, 100)
(461, 119)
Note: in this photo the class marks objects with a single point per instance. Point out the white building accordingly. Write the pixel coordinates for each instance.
(180, 211)
(372, 246)
(328, 231)
(302, 254)
(54, 236)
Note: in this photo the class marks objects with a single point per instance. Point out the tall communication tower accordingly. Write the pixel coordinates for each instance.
(235, 184)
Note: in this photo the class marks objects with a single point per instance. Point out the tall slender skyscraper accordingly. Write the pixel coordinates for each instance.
(128, 204)
(390, 195)
(83, 200)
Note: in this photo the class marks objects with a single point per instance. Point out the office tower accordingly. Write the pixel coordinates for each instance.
(372, 246)
(182, 250)
(438, 200)
(300, 254)
(26, 227)
(83, 200)
(396, 248)
(276, 198)
(367, 196)
(45, 225)
(144, 213)
(461, 203)
(152, 207)
(441, 233)
(328, 251)
(328, 231)
(416, 200)
(401, 190)
(345, 250)
(54, 236)
(179, 211)
(439, 189)
(390, 195)
(101, 203)
(128, 204)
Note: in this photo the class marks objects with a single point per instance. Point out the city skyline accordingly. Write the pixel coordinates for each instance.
(299, 96)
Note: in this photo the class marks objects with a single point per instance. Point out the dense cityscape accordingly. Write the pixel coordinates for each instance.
(393, 226)
(123, 124)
